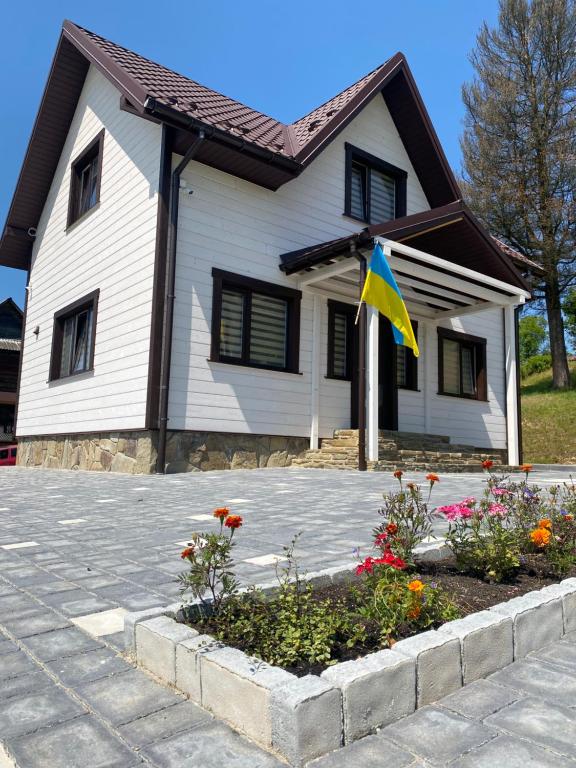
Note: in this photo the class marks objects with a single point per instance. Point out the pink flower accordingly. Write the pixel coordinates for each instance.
(497, 510)
(500, 492)
(469, 501)
(456, 511)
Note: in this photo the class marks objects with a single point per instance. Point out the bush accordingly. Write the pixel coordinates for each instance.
(535, 364)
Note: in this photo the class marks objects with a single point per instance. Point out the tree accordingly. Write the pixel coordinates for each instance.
(569, 307)
(532, 330)
(519, 145)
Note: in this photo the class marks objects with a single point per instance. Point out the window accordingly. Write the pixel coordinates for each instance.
(255, 323)
(85, 176)
(407, 364)
(375, 190)
(340, 340)
(461, 365)
(73, 338)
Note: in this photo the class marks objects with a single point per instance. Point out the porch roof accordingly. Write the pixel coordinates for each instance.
(444, 262)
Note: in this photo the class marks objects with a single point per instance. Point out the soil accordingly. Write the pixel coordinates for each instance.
(469, 593)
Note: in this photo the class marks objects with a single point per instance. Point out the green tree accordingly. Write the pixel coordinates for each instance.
(519, 145)
(532, 329)
(569, 307)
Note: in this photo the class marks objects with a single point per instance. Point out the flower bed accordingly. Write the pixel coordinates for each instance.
(322, 659)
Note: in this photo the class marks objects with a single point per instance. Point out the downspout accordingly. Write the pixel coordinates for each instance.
(169, 296)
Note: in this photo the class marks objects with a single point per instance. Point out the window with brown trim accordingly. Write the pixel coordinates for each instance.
(340, 340)
(255, 323)
(375, 191)
(85, 178)
(73, 338)
(407, 364)
(461, 365)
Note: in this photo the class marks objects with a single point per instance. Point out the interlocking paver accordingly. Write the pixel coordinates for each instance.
(61, 642)
(508, 752)
(167, 722)
(87, 667)
(557, 686)
(28, 713)
(480, 699)
(370, 752)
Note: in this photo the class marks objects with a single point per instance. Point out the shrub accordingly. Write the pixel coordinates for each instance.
(535, 364)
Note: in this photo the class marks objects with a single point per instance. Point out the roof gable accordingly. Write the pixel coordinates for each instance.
(10, 320)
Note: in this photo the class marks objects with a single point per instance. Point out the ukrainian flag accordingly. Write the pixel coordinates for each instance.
(381, 291)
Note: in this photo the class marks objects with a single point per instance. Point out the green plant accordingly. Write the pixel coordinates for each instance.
(211, 578)
(535, 364)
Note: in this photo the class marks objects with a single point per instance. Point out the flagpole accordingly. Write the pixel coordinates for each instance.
(362, 372)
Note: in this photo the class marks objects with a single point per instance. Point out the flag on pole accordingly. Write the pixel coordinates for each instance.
(381, 291)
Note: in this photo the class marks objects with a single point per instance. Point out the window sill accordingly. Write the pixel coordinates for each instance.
(80, 219)
(345, 379)
(469, 398)
(63, 379)
(263, 368)
(355, 218)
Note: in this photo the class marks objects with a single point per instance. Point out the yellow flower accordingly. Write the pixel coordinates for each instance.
(545, 523)
(540, 536)
(416, 586)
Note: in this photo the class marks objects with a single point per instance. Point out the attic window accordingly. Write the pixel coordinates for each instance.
(375, 191)
(85, 177)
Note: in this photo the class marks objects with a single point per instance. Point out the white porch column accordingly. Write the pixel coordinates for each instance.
(511, 386)
(429, 350)
(372, 383)
(315, 377)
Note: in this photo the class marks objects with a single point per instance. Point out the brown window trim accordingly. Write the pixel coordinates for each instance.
(96, 149)
(356, 155)
(411, 366)
(481, 377)
(90, 300)
(350, 311)
(223, 279)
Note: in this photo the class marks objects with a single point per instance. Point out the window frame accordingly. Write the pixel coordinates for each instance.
(94, 151)
(411, 365)
(478, 344)
(338, 307)
(359, 156)
(90, 301)
(222, 280)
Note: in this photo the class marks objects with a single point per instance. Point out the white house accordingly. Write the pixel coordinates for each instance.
(194, 271)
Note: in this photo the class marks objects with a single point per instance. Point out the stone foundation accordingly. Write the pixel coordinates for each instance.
(135, 452)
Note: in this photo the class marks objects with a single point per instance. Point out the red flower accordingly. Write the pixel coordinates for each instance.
(391, 528)
(380, 539)
(391, 560)
(186, 553)
(398, 474)
(233, 521)
(221, 513)
(433, 478)
(367, 566)
(487, 464)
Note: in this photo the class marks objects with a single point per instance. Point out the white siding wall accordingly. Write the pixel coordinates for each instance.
(238, 226)
(111, 249)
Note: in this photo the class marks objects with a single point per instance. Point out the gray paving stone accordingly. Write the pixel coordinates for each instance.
(35, 623)
(369, 752)
(480, 699)
(543, 723)
(539, 679)
(14, 664)
(87, 667)
(61, 642)
(509, 752)
(196, 749)
(437, 735)
(126, 696)
(159, 725)
(30, 682)
(79, 743)
(24, 714)
(6, 646)
(561, 654)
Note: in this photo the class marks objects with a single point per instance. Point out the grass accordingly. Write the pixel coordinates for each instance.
(548, 420)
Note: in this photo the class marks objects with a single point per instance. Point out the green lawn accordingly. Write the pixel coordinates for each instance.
(548, 420)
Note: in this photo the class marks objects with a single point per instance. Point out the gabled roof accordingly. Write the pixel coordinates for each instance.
(522, 262)
(240, 140)
(11, 318)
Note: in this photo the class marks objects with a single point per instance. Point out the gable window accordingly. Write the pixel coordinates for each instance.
(73, 338)
(85, 176)
(340, 340)
(461, 365)
(375, 191)
(255, 323)
(407, 364)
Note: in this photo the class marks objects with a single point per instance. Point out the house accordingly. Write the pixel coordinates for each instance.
(10, 335)
(194, 270)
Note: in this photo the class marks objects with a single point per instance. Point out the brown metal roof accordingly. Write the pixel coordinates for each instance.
(522, 262)
(240, 140)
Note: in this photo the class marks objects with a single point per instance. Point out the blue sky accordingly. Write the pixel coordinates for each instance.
(281, 58)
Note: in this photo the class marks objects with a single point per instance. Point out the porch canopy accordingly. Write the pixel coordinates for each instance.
(446, 265)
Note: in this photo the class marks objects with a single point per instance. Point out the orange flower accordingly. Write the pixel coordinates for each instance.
(186, 553)
(411, 486)
(568, 517)
(432, 478)
(221, 513)
(487, 464)
(545, 523)
(398, 474)
(391, 528)
(416, 586)
(414, 612)
(540, 537)
(233, 521)
(526, 468)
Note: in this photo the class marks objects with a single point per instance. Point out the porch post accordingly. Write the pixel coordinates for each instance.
(362, 374)
(372, 377)
(315, 374)
(512, 423)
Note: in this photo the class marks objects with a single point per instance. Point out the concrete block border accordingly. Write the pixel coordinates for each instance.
(301, 719)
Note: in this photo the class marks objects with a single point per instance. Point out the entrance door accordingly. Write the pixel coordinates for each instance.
(387, 387)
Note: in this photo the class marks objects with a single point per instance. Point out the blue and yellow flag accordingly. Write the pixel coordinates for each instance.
(381, 291)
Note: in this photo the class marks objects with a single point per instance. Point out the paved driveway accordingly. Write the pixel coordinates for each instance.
(78, 549)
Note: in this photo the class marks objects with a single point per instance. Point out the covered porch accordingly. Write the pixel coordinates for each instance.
(447, 267)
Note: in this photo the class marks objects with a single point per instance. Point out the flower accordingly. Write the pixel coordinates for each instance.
(391, 528)
(233, 521)
(380, 539)
(526, 468)
(497, 510)
(398, 474)
(433, 478)
(391, 560)
(487, 464)
(416, 586)
(456, 511)
(469, 501)
(186, 553)
(367, 565)
(499, 492)
(221, 513)
(411, 486)
(414, 612)
(540, 536)
(545, 523)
